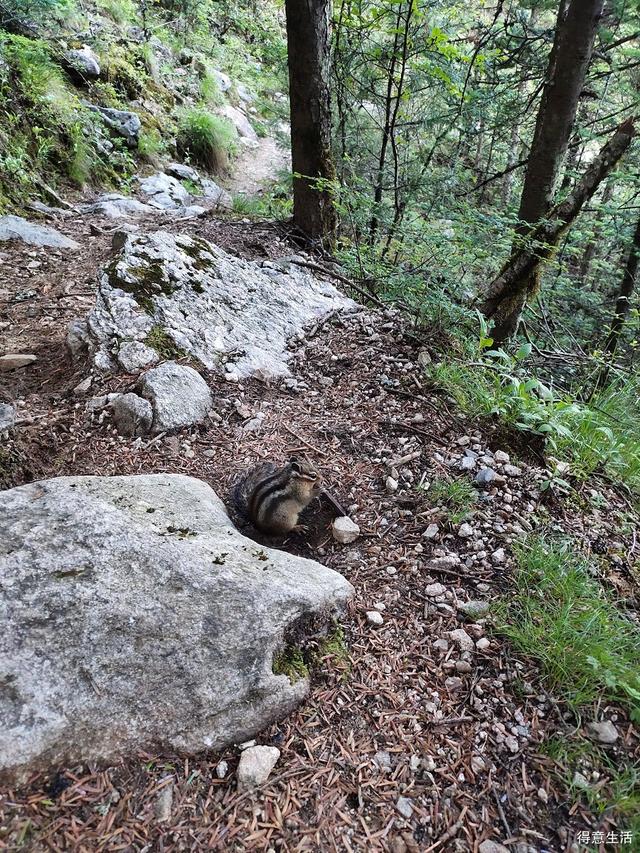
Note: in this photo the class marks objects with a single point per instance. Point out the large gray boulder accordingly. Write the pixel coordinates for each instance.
(232, 315)
(178, 394)
(17, 228)
(134, 616)
(240, 122)
(117, 206)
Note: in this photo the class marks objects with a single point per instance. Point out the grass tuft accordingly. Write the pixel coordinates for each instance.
(561, 617)
(209, 140)
(457, 496)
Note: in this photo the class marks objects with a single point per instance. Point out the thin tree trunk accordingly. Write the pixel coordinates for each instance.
(568, 63)
(623, 304)
(308, 58)
(592, 245)
(519, 279)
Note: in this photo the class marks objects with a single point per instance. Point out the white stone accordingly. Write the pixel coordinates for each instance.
(374, 618)
(7, 416)
(431, 532)
(483, 644)
(501, 457)
(391, 485)
(164, 803)
(462, 639)
(178, 394)
(465, 531)
(345, 530)
(405, 807)
(434, 590)
(256, 764)
(135, 617)
(221, 769)
(240, 122)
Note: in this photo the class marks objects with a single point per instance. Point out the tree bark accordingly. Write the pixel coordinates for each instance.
(308, 59)
(623, 302)
(568, 63)
(519, 278)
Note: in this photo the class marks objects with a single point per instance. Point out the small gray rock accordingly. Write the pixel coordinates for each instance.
(221, 769)
(489, 846)
(474, 609)
(165, 192)
(462, 639)
(133, 415)
(179, 395)
(345, 530)
(374, 618)
(485, 476)
(83, 62)
(164, 803)
(391, 485)
(604, 731)
(256, 763)
(404, 807)
(501, 457)
(383, 760)
(431, 532)
(465, 531)
(512, 471)
(7, 416)
(182, 172)
(83, 386)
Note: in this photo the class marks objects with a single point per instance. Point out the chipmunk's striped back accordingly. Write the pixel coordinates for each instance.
(273, 497)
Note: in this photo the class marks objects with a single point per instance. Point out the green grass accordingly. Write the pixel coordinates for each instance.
(164, 345)
(457, 496)
(209, 140)
(560, 616)
(603, 435)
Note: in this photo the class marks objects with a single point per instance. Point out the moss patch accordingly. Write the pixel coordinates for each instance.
(165, 346)
(290, 662)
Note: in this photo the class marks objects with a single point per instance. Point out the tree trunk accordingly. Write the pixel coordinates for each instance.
(592, 245)
(308, 58)
(568, 63)
(519, 279)
(623, 302)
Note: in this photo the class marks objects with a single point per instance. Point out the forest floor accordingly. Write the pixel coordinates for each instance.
(410, 739)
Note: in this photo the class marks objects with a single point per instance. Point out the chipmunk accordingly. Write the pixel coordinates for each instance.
(272, 498)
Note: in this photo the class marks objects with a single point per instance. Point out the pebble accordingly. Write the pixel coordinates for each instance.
(256, 763)
(465, 531)
(489, 846)
(477, 763)
(462, 639)
(542, 795)
(501, 457)
(580, 781)
(390, 570)
(453, 683)
(383, 760)
(431, 532)
(164, 803)
(474, 609)
(391, 485)
(441, 645)
(483, 644)
(83, 387)
(485, 476)
(345, 530)
(429, 764)
(498, 557)
(434, 590)
(221, 769)
(405, 807)
(414, 762)
(374, 618)
(463, 666)
(604, 731)
(512, 471)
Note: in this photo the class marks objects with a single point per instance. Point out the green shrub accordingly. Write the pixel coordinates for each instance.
(209, 140)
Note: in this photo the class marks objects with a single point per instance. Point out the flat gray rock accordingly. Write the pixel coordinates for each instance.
(178, 394)
(134, 616)
(122, 122)
(240, 122)
(234, 316)
(17, 228)
(117, 206)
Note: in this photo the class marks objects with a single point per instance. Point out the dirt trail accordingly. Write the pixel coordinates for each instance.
(255, 167)
(412, 739)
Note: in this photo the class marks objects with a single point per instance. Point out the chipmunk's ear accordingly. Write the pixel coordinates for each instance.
(295, 465)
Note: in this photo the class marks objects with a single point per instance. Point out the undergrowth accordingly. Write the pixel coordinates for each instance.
(560, 616)
(209, 140)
